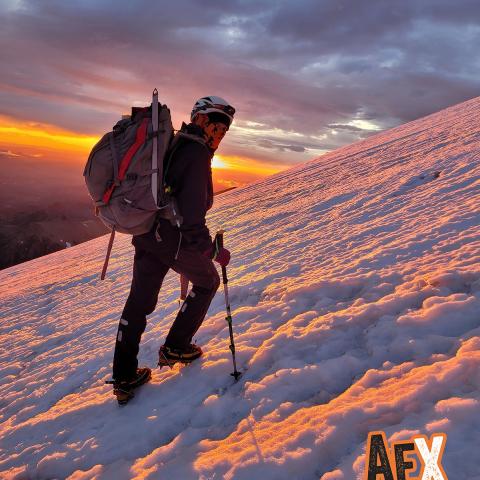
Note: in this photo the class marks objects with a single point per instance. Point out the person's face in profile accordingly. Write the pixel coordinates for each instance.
(213, 131)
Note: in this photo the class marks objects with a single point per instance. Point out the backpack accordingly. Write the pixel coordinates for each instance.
(123, 169)
(124, 172)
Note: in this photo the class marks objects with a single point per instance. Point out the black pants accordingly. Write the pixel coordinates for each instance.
(151, 263)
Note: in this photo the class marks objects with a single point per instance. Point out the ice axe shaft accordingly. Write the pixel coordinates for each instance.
(107, 256)
(183, 288)
(219, 244)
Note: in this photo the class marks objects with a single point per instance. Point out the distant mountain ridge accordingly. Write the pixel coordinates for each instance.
(31, 225)
(35, 232)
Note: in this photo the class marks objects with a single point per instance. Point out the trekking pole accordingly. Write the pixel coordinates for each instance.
(219, 244)
(107, 256)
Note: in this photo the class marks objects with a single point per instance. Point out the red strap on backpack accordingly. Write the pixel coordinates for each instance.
(140, 137)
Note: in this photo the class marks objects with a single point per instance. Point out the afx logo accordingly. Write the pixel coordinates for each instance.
(384, 463)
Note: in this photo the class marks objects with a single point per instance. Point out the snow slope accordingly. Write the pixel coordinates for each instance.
(355, 291)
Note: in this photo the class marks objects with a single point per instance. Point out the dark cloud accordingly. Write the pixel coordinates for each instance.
(329, 23)
(292, 68)
(339, 126)
(264, 143)
(293, 148)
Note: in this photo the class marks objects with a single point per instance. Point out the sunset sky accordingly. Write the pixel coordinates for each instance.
(305, 77)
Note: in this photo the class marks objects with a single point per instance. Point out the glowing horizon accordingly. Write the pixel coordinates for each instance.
(44, 142)
(38, 140)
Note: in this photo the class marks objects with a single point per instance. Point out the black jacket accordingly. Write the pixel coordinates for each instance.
(189, 174)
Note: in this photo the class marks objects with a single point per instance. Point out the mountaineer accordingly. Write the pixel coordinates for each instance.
(186, 248)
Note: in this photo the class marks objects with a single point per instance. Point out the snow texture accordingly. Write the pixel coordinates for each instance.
(355, 292)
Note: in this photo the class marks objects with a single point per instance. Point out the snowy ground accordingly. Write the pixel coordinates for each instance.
(355, 289)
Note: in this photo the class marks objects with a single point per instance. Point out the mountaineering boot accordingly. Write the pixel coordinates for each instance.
(167, 357)
(123, 390)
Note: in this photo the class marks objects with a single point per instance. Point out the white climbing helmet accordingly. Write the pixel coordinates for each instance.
(212, 104)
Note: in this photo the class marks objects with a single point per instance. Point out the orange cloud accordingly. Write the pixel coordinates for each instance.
(47, 142)
(234, 171)
(246, 164)
(43, 140)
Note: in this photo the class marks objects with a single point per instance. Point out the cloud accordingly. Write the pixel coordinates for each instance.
(349, 128)
(8, 154)
(277, 146)
(290, 68)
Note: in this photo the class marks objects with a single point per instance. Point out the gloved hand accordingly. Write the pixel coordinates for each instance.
(220, 255)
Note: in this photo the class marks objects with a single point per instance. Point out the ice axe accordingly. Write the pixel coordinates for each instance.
(219, 244)
(107, 256)
(183, 288)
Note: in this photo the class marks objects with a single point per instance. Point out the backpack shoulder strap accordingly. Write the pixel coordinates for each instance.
(140, 136)
(180, 138)
(190, 136)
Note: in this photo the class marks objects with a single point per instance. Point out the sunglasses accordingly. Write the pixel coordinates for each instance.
(228, 109)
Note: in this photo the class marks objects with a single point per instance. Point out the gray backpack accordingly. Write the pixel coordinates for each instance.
(125, 168)
(124, 172)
